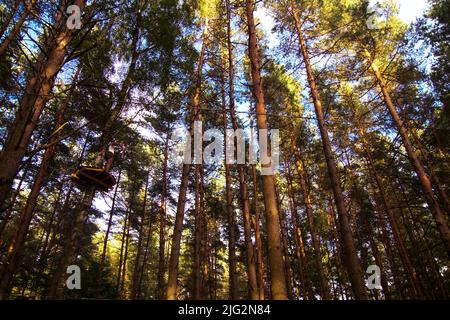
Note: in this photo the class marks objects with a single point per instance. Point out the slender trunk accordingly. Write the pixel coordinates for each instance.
(122, 292)
(351, 259)
(135, 293)
(178, 228)
(392, 219)
(277, 272)
(124, 246)
(148, 244)
(287, 259)
(302, 175)
(17, 27)
(111, 215)
(257, 227)
(37, 90)
(305, 283)
(233, 278)
(425, 182)
(198, 231)
(16, 246)
(162, 225)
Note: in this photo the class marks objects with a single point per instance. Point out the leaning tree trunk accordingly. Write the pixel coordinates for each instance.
(404, 256)
(425, 182)
(351, 258)
(37, 90)
(277, 272)
(14, 252)
(17, 27)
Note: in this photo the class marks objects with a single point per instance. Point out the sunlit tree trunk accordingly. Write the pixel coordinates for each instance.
(433, 203)
(277, 272)
(17, 27)
(351, 259)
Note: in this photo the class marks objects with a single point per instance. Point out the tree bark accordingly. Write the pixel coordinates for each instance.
(162, 224)
(178, 228)
(351, 259)
(17, 27)
(135, 292)
(37, 91)
(302, 175)
(278, 276)
(433, 203)
(15, 248)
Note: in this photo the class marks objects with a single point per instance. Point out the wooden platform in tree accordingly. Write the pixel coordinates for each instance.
(97, 177)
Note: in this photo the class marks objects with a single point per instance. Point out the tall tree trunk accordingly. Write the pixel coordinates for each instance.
(162, 224)
(433, 203)
(111, 215)
(278, 276)
(287, 259)
(306, 289)
(257, 227)
(233, 278)
(198, 231)
(17, 27)
(37, 90)
(351, 259)
(302, 175)
(123, 241)
(178, 228)
(148, 244)
(15, 248)
(135, 292)
(392, 219)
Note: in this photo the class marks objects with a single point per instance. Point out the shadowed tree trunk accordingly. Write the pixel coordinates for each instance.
(392, 220)
(37, 90)
(135, 292)
(162, 223)
(303, 181)
(178, 228)
(9, 267)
